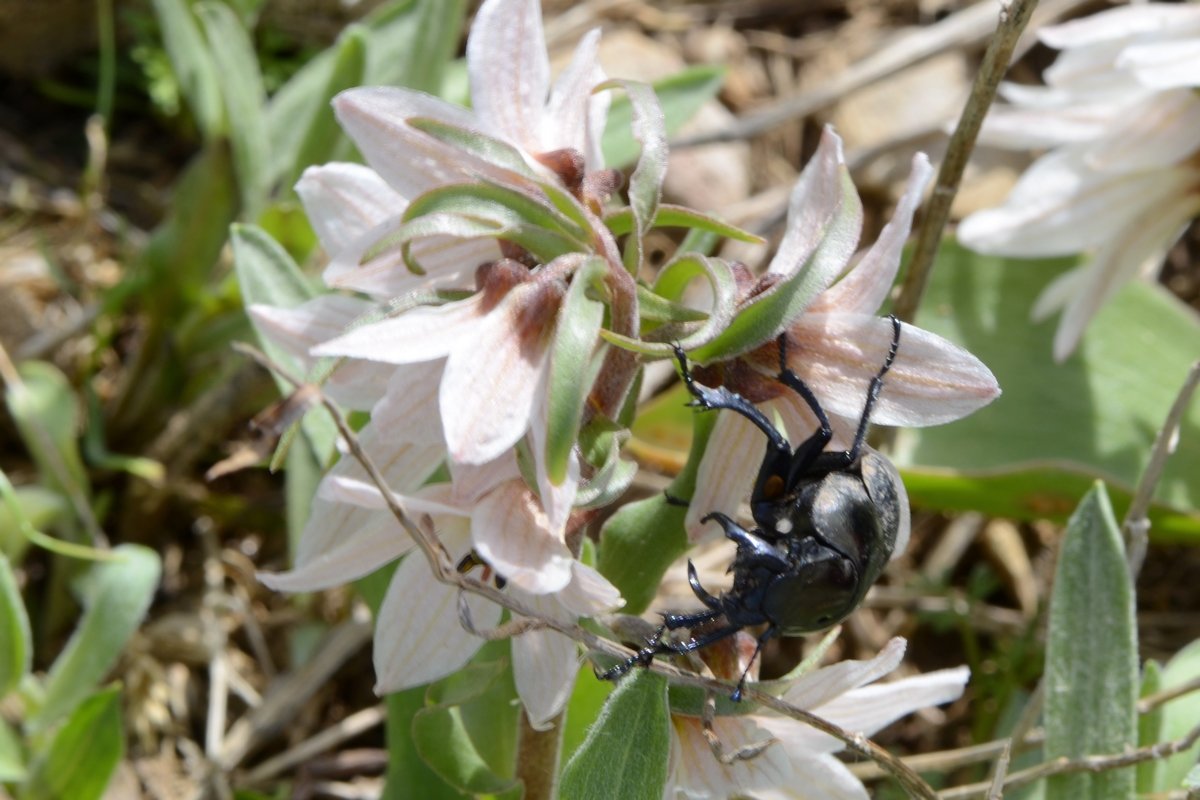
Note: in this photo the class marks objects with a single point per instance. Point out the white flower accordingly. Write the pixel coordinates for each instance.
(837, 345)
(1121, 118)
(800, 764)
(353, 207)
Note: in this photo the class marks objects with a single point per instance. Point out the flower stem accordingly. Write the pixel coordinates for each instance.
(1013, 18)
(537, 757)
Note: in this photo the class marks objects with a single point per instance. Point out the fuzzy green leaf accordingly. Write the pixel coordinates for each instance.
(680, 95)
(115, 596)
(244, 100)
(626, 752)
(620, 222)
(1180, 715)
(1091, 677)
(81, 759)
(16, 638)
(1151, 727)
(193, 65)
(47, 415)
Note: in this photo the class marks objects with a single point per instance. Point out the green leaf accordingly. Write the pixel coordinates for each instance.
(1091, 676)
(16, 638)
(571, 372)
(626, 752)
(12, 755)
(37, 506)
(474, 143)
(193, 65)
(244, 98)
(1057, 426)
(115, 596)
(583, 709)
(322, 133)
(1180, 715)
(1151, 727)
(268, 275)
(85, 752)
(47, 415)
(620, 222)
(417, 53)
(680, 95)
(765, 317)
(645, 185)
(442, 732)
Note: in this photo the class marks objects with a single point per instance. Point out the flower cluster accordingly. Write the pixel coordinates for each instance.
(1120, 119)
(496, 334)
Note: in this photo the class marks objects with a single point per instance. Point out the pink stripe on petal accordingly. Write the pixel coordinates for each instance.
(726, 475)
(870, 708)
(817, 688)
(418, 637)
(568, 121)
(815, 201)
(544, 667)
(509, 69)
(419, 334)
(510, 533)
(344, 201)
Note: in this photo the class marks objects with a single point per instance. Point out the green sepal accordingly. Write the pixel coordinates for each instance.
(620, 222)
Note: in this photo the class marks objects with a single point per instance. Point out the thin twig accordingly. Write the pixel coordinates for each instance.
(1136, 526)
(996, 791)
(947, 760)
(1013, 18)
(444, 571)
(327, 739)
(1064, 765)
(1153, 701)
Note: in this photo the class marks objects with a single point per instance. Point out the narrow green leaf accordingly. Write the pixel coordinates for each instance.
(1180, 715)
(115, 596)
(12, 755)
(680, 95)
(583, 709)
(654, 308)
(620, 222)
(268, 275)
(485, 148)
(1091, 654)
(416, 55)
(571, 377)
(244, 100)
(321, 134)
(44, 407)
(443, 732)
(84, 753)
(626, 752)
(193, 65)
(1151, 728)
(769, 314)
(16, 642)
(37, 507)
(1057, 425)
(645, 185)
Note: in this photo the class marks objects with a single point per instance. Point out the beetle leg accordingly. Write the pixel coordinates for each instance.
(811, 448)
(762, 639)
(752, 550)
(700, 591)
(710, 398)
(873, 392)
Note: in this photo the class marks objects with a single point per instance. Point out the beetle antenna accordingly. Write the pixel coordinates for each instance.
(873, 392)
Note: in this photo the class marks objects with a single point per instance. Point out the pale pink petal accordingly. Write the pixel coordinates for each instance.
(931, 380)
(356, 385)
(1164, 65)
(780, 771)
(864, 288)
(573, 118)
(1140, 247)
(418, 637)
(1160, 132)
(448, 262)
(419, 334)
(473, 481)
(1031, 127)
(870, 708)
(410, 161)
(408, 410)
(509, 69)
(589, 593)
(492, 380)
(827, 683)
(544, 667)
(1119, 24)
(1058, 293)
(510, 533)
(731, 460)
(344, 201)
(821, 195)
(1061, 207)
(365, 494)
(340, 544)
(558, 500)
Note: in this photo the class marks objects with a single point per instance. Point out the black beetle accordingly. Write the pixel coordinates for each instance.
(826, 524)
